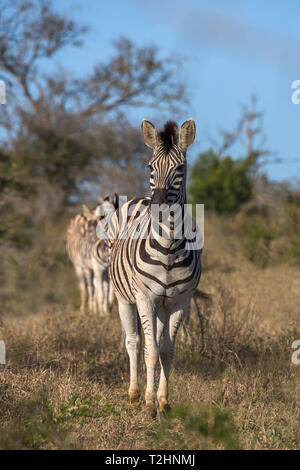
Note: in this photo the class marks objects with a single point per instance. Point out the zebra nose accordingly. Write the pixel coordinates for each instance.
(159, 196)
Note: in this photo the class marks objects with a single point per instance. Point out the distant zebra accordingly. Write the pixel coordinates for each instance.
(154, 275)
(89, 256)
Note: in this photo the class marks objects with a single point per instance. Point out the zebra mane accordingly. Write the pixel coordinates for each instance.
(169, 135)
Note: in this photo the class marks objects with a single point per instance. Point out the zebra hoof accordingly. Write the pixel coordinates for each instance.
(164, 406)
(134, 397)
(165, 411)
(151, 410)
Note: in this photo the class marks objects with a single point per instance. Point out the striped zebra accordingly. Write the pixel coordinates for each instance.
(155, 275)
(89, 256)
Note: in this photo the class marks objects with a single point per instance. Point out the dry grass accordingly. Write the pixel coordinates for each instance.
(234, 386)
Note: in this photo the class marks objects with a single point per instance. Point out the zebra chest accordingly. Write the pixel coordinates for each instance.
(162, 274)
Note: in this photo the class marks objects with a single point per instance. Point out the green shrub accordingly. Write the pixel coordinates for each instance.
(34, 427)
(256, 245)
(292, 226)
(200, 428)
(294, 249)
(222, 184)
(16, 230)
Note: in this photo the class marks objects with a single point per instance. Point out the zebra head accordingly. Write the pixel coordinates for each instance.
(168, 163)
(107, 206)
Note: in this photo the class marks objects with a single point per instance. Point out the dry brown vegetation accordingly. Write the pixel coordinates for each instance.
(233, 386)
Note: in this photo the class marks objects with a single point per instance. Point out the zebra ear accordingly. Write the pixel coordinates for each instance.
(86, 212)
(116, 201)
(187, 133)
(149, 133)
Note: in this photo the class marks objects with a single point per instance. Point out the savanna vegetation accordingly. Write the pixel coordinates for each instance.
(64, 139)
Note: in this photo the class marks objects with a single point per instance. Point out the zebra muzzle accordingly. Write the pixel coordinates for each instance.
(159, 196)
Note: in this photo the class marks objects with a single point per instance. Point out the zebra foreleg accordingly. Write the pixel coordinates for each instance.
(166, 352)
(111, 294)
(101, 290)
(160, 325)
(89, 275)
(83, 288)
(129, 320)
(105, 288)
(147, 313)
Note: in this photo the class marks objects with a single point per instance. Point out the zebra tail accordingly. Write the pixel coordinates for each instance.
(199, 294)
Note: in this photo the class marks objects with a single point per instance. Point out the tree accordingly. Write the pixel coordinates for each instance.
(56, 124)
(32, 31)
(222, 184)
(124, 160)
(249, 132)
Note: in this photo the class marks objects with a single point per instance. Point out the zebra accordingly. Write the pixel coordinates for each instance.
(89, 256)
(154, 276)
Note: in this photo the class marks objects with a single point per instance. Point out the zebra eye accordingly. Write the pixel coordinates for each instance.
(149, 166)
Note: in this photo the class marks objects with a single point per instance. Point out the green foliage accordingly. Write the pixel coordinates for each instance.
(294, 249)
(15, 229)
(57, 158)
(292, 226)
(202, 428)
(256, 245)
(13, 176)
(256, 228)
(88, 407)
(222, 184)
(269, 232)
(34, 428)
(48, 157)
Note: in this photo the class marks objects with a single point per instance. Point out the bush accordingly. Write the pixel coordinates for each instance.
(292, 226)
(221, 184)
(256, 245)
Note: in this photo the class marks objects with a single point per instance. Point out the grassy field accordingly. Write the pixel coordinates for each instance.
(232, 386)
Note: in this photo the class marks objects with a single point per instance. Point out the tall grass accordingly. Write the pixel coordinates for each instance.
(65, 385)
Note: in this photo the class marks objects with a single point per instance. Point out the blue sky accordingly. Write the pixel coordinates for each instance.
(232, 49)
